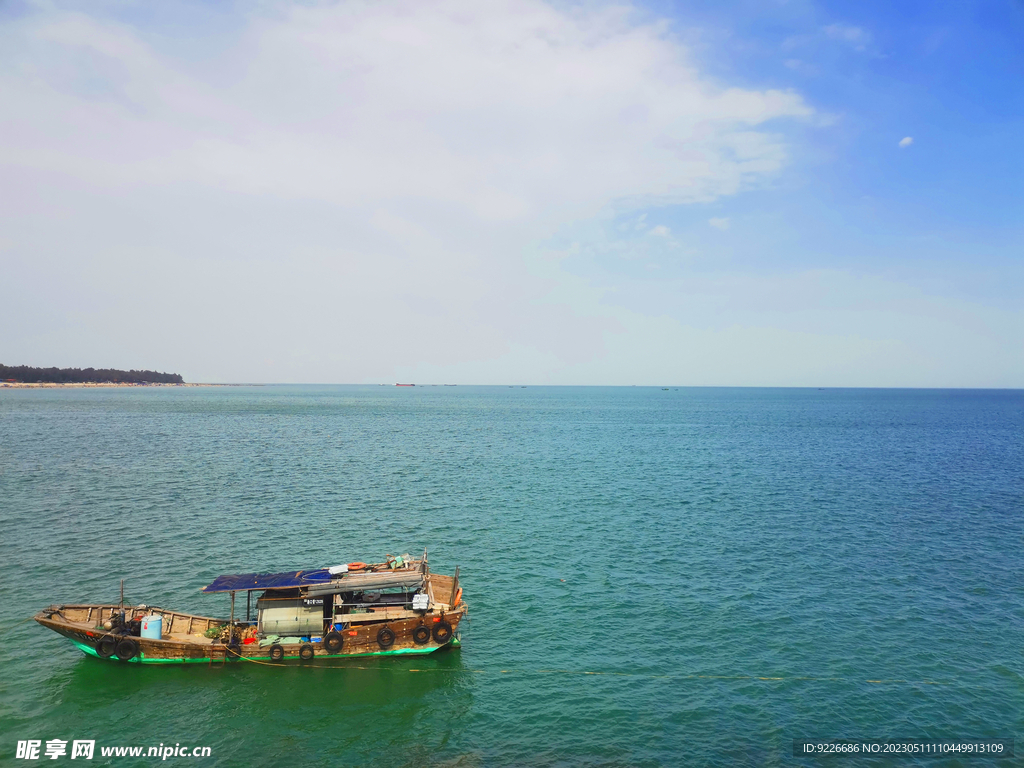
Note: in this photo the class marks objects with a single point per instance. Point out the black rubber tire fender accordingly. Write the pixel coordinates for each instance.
(333, 642)
(442, 632)
(277, 652)
(127, 649)
(421, 634)
(385, 637)
(306, 652)
(106, 646)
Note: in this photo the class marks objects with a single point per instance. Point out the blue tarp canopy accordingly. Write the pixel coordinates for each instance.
(243, 582)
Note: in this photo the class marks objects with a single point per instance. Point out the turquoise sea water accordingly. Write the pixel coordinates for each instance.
(681, 577)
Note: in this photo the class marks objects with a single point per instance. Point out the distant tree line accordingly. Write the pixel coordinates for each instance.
(29, 375)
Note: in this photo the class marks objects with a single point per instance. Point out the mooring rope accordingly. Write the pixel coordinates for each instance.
(16, 624)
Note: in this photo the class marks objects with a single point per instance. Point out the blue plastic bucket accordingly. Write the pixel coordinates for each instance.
(152, 627)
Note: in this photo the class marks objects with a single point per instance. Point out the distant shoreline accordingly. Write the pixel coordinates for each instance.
(97, 384)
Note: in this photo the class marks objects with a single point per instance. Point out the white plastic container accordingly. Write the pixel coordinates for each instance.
(152, 627)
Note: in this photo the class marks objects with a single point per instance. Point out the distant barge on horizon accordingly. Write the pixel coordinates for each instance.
(392, 608)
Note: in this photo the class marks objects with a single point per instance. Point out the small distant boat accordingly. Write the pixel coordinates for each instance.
(382, 609)
(405, 385)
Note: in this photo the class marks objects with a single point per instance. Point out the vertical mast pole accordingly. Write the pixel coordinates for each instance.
(455, 587)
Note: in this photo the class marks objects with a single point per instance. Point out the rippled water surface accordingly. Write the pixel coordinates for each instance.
(690, 576)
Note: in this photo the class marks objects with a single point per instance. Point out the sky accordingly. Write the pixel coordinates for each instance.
(786, 193)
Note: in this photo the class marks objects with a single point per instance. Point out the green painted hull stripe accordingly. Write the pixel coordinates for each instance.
(137, 660)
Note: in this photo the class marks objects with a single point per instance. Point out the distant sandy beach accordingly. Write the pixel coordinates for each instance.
(90, 384)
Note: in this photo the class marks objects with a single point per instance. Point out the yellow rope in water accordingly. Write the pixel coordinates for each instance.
(252, 661)
(18, 624)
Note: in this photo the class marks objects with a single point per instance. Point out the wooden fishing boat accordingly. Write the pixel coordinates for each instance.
(392, 608)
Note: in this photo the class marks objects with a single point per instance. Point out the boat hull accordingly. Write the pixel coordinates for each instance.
(231, 658)
(359, 642)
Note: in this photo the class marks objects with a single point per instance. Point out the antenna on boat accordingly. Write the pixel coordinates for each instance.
(122, 594)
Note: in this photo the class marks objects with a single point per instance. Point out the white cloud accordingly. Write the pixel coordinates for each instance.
(857, 37)
(722, 223)
(906, 141)
(660, 231)
(504, 111)
(321, 165)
